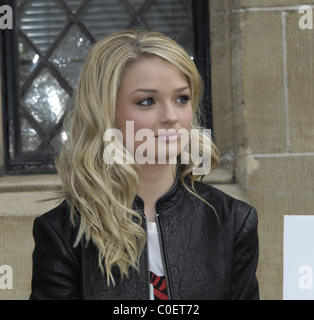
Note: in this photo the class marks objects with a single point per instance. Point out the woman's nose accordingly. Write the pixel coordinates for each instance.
(169, 114)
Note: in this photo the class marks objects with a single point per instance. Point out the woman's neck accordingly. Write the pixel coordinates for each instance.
(155, 181)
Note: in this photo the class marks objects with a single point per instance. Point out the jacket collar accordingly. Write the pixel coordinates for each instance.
(169, 199)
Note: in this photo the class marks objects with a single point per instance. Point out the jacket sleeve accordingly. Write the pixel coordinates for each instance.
(55, 271)
(245, 259)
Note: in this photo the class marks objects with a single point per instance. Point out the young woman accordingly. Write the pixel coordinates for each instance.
(142, 227)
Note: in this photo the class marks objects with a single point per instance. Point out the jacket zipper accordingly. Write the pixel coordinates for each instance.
(147, 261)
(163, 257)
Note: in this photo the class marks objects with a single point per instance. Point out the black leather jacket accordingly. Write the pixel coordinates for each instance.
(204, 258)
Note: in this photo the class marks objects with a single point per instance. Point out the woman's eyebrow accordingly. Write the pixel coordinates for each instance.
(145, 90)
(156, 91)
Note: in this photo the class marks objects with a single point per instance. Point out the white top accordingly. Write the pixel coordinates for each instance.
(154, 255)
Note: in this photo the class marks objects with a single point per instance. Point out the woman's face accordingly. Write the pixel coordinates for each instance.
(154, 111)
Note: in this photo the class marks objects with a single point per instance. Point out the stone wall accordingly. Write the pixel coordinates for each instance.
(262, 78)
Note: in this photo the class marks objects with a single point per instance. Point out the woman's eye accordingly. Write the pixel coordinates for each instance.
(183, 99)
(146, 102)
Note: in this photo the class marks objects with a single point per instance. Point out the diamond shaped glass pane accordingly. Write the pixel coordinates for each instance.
(28, 59)
(137, 3)
(73, 4)
(174, 19)
(30, 138)
(46, 101)
(42, 21)
(104, 17)
(167, 16)
(70, 55)
(57, 142)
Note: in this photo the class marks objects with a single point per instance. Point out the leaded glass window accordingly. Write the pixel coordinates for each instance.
(44, 52)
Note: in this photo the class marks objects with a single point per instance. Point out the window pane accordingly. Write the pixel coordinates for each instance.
(46, 101)
(172, 18)
(30, 138)
(105, 17)
(74, 4)
(70, 54)
(28, 59)
(42, 21)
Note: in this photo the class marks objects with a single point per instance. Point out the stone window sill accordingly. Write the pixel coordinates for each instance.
(27, 195)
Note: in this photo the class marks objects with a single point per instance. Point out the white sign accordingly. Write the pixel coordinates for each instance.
(298, 259)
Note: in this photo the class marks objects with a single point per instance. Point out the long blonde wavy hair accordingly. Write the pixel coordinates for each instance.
(101, 195)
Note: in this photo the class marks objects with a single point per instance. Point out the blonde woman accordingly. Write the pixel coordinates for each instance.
(135, 223)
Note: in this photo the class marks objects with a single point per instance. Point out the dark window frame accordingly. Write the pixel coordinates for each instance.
(41, 164)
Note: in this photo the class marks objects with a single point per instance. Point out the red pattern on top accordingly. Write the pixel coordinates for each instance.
(160, 286)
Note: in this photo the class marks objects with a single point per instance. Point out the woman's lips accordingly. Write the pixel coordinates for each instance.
(168, 136)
